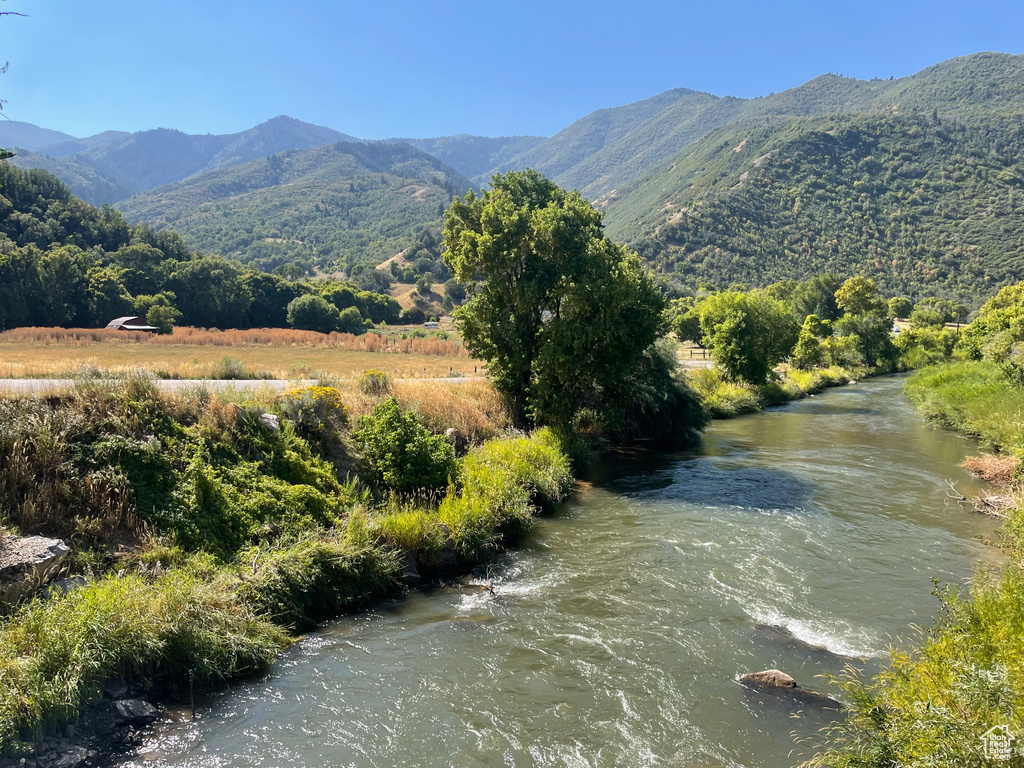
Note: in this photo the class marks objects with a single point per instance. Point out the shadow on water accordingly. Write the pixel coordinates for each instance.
(723, 478)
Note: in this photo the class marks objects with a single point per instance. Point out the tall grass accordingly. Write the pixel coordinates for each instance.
(54, 654)
(975, 398)
(727, 399)
(272, 337)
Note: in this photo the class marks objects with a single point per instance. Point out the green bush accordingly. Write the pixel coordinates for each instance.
(401, 455)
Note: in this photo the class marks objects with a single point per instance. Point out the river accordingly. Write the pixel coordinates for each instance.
(803, 538)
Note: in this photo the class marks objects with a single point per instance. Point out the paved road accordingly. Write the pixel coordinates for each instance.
(27, 386)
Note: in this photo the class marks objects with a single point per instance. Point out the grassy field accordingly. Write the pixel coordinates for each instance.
(192, 353)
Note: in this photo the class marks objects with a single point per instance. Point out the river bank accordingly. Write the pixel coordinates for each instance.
(958, 698)
(803, 538)
(189, 617)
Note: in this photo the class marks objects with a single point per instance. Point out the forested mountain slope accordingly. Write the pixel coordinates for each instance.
(608, 149)
(85, 182)
(347, 202)
(917, 202)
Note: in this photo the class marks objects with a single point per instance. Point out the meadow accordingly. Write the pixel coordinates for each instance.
(195, 353)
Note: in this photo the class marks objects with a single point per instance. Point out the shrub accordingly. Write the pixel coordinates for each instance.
(350, 320)
(313, 313)
(375, 383)
(317, 413)
(401, 455)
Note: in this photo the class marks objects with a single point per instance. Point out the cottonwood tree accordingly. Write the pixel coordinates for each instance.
(748, 333)
(561, 314)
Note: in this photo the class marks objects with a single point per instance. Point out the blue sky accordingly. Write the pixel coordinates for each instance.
(383, 69)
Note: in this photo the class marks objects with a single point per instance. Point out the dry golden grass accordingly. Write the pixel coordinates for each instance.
(993, 468)
(196, 353)
(473, 407)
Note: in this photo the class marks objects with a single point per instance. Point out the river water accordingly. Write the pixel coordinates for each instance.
(805, 538)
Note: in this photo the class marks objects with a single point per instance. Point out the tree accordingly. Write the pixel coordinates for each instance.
(748, 333)
(163, 316)
(900, 307)
(859, 296)
(808, 352)
(350, 321)
(313, 313)
(559, 312)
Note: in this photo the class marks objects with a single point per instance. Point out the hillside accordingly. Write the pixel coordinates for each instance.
(473, 155)
(14, 133)
(140, 161)
(85, 182)
(608, 149)
(348, 203)
(917, 202)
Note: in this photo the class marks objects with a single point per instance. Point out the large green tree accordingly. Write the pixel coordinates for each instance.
(560, 313)
(748, 333)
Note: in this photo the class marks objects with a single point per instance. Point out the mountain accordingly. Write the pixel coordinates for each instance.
(348, 202)
(85, 182)
(923, 204)
(135, 162)
(610, 148)
(74, 146)
(473, 155)
(16, 134)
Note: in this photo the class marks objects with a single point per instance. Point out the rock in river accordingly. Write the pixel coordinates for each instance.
(775, 681)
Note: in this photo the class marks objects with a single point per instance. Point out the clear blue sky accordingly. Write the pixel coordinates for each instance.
(379, 69)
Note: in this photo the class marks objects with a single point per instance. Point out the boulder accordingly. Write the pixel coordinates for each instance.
(73, 758)
(777, 682)
(27, 563)
(271, 422)
(134, 712)
(769, 678)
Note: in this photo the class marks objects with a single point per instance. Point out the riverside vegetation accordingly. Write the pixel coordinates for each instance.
(212, 530)
(932, 706)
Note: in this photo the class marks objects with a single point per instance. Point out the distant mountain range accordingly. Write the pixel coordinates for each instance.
(344, 203)
(708, 188)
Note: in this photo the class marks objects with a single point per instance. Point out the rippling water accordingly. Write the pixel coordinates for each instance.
(804, 538)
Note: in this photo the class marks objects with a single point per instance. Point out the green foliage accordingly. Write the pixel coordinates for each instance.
(808, 352)
(313, 313)
(559, 312)
(975, 398)
(400, 453)
(300, 585)
(343, 203)
(163, 316)
(925, 346)
(997, 334)
(350, 321)
(900, 307)
(748, 334)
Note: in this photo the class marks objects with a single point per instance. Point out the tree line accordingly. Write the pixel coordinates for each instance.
(64, 262)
